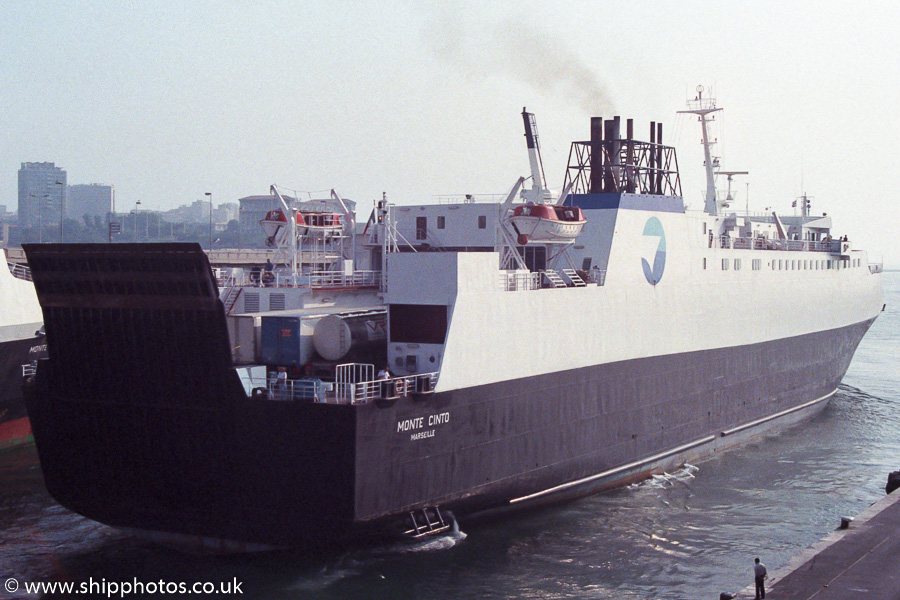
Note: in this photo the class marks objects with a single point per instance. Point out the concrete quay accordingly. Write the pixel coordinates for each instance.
(861, 562)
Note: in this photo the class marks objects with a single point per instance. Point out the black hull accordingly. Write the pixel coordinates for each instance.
(167, 451)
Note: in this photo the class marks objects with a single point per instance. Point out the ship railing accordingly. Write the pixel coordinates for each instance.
(339, 279)
(761, 243)
(876, 268)
(511, 281)
(20, 271)
(346, 392)
(29, 369)
(316, 279)
(300, 390)
(363, 392)
(468, 198)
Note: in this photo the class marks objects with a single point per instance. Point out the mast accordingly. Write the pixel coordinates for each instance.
(703, 108)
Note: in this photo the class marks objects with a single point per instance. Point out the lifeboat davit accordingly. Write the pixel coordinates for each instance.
(547, 224)
(275, 225)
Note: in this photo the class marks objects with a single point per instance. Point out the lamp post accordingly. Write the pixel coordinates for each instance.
(40, 208)
(62, 208)
(209, 194)
(137, 206)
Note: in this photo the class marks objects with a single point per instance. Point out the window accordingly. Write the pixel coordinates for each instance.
(737, 264)
(724, 264)
(482, 222)
(756, 265)
(704, 260)
(421, 228)
(440, 222)
(418, 323)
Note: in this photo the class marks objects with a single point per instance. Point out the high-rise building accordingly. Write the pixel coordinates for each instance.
(93, 200)
(42, 199)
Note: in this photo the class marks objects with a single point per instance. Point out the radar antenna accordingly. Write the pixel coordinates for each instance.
(728, 197)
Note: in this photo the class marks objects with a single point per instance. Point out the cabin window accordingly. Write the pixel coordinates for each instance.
(440, 222)
(704, 260)
(724, 264)
(737, 264)
(482, 222)
(418, 323)
(757, 264)
(421, 228)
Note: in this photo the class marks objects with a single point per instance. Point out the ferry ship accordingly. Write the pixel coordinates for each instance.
(521, 367)
(21, 345)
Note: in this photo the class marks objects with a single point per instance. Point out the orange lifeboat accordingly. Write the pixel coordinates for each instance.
(275, 226)
(321, 222)
(547, 224)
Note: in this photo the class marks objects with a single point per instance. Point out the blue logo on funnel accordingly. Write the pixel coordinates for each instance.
(655, 229)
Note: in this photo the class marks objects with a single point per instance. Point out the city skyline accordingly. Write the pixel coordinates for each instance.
(168, 103)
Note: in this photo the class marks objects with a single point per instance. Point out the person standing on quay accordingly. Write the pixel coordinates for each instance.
(759, 572)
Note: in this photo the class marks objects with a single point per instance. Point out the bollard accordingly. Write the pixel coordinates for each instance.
(845, 522)
(726, 596)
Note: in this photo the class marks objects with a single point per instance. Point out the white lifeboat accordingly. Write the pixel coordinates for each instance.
(275, 226)
(546, 223)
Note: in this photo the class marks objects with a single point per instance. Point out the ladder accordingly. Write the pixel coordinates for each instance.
(427, 521)
(574, 277)
(231, 297)
(554, 278)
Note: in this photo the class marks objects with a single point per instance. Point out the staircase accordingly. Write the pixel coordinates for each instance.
(554, 278)
(230, 298)
(574, 277)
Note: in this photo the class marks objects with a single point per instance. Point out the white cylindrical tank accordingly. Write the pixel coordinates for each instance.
(335, 335)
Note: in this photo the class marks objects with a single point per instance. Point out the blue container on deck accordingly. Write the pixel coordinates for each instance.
(281, 341)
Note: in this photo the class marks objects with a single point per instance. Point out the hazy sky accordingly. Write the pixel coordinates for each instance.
(166, 101)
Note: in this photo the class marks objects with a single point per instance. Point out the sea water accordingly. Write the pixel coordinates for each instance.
(689, 534)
